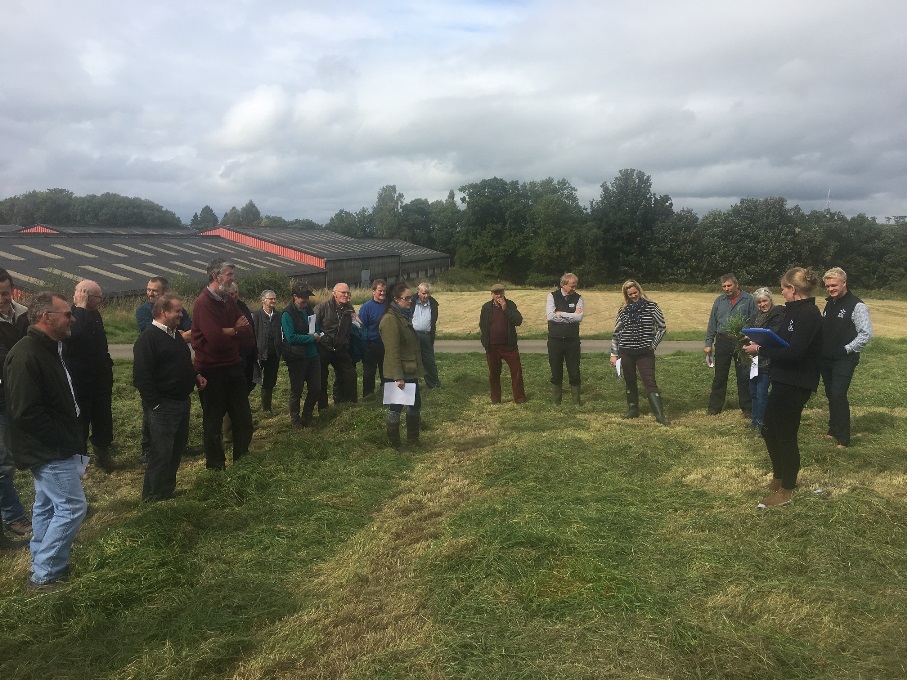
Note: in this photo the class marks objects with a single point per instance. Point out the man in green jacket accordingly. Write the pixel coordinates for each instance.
(497, 323)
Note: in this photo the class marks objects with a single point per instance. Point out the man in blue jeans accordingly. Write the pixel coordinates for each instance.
(46, 437)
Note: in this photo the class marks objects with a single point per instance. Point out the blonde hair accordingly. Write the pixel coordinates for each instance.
(801, 280)
(628, 284)
(835, 273)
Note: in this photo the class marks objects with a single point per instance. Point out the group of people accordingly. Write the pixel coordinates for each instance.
(57, 375)
(774, 381)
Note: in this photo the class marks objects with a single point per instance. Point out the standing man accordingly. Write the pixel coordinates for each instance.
(846, 328)
(497, 324)
(163, 373)
(13, 324)
(219, 330)
(334, 317)
(89, 363)
(425, 323)
(158, 285)
(269, 339)
(300, 353)
(722, 347)
(46, 436)
(370, 314)
(564, 311)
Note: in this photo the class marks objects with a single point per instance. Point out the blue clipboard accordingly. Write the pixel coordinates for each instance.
(765, 337)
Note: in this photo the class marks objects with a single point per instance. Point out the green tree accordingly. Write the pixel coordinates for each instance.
(232, 218)
(495, 223)
(386, 213)
(446, 220)
(416, 222)
(249, 214)
(626, 214)
(554, 231)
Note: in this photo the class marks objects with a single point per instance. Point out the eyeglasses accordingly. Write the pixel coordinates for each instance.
(68, 315)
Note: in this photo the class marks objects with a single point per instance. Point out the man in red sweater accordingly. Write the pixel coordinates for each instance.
(219, 329)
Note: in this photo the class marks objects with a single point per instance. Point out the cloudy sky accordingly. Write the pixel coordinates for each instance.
(310, 107)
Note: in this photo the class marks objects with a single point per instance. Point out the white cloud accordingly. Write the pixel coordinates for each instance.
(309, 107)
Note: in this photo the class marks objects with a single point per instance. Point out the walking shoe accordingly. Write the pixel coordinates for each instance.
(21, 527)
(780, 497)
(48, 587)
(10, 544)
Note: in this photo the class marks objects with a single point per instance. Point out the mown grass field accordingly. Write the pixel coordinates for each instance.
(686, 313)
(522, 542)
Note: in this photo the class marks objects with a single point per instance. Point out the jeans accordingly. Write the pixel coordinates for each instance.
(630, 363)
(269, 369)
(372, 363)
(493, 356)
(428, 359)
(226, 393)
(836, 375)
(759, 394)
(60, 507)
(564, 351)
(724, 352)
(96, 414)
(11, 508)
(304, 373)
(345, 389)
(169, 428)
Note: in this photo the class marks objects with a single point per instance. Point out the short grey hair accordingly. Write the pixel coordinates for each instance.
(217, 266)
(424, 285)
(764, 294)
(267, 293)
(43, 302)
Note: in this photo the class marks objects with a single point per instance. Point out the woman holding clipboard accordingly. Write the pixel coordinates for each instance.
(794, 376)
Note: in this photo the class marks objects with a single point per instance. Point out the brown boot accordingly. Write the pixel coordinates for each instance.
(103, 459)
(781, 497)
(774, 485)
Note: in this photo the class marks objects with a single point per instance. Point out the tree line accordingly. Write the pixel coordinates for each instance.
(530, 232)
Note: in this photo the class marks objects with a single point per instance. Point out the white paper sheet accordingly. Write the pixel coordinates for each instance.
(754, 368)
(394, 395)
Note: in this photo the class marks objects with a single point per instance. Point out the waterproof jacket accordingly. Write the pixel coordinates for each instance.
(402, 354)
(40, 411)
(512, 317)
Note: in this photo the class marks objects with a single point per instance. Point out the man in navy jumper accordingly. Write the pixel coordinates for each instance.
(163, 373)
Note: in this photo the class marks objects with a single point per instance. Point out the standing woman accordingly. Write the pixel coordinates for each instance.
(771, 317)
(794, 376)
(402, 361)
(639, 328)
(269, 338)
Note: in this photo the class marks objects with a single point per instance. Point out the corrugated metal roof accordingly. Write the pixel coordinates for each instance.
(408, 251)
(318, 242)
(122, 264)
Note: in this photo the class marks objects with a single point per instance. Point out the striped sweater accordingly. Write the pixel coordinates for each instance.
(645, 332)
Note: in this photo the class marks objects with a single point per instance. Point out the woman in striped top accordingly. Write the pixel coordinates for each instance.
(639, 328)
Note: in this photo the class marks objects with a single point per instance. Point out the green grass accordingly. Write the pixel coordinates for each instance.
(523, 541)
